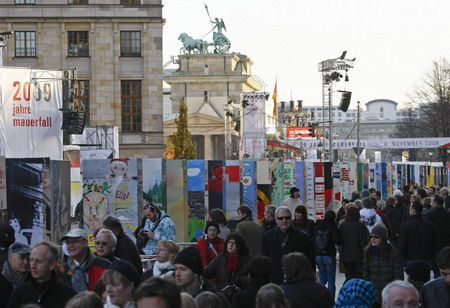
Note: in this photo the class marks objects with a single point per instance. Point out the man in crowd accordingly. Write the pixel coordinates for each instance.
(125, 247)
(83, 269)
(43, 288)
(188, 271)
(400, 293)
(440, 218)
(293, 200)
(436, 293)
(15, 271)
(444, 193)
(283, 240)
(6, 240)
(418, 237)
(105, 244)
(250, 230)
(269, 218)
(259, 272)
(157, 292)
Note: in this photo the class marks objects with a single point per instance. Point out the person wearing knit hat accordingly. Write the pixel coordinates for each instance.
(188, 271)
(210, 245)
(121, 279)
(382, 262)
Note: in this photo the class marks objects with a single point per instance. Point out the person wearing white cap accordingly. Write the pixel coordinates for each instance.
(15, 271)
(83, 269)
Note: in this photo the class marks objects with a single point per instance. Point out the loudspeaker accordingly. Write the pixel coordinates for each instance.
(73, 122)
(345, 100)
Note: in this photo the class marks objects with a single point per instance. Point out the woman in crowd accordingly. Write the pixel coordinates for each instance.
(230, 267)
(301, 221)
(210, 245)
(326, 237)
(300, 286)
(158, 226)
(356, 293)
(271, 296)
(121, 279)
(166, 251)
(355, 238)
(382, 262)
(219, 216)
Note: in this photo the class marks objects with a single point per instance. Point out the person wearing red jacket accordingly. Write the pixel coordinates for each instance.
(83, 269)
(210, 245)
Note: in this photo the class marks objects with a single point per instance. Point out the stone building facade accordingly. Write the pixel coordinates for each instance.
(207, 83)
(116, 48)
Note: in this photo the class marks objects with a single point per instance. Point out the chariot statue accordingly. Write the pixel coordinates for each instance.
(221, 44)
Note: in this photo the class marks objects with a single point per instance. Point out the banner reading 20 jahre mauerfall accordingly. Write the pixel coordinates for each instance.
(30, 120)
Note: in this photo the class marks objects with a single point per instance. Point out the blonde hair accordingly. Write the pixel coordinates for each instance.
(171, 246)
(187, 301)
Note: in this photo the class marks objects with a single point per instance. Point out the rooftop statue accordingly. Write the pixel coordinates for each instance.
(220, 42)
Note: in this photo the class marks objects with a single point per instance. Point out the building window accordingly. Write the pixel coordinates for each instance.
(82, 96)
(25, 43)
(78, 43)
(24, 1)
(78, 2)
(131, 95)
(130, 43)
(130, 1)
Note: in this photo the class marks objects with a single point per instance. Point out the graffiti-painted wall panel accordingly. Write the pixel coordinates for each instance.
(177, 205)
(29, 198)
(232, 188)
(110, 188)
(249, 185)
(60, 208)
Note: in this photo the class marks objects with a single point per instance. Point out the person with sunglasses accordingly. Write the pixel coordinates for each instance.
(382, 262)
(283, 240)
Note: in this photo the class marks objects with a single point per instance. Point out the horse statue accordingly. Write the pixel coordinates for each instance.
(191, 45)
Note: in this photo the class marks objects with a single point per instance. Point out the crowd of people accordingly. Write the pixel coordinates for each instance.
(386, 248)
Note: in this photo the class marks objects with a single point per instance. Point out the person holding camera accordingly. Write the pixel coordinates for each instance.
(158, 226)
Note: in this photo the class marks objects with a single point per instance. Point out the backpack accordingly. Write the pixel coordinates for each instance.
(322, 239)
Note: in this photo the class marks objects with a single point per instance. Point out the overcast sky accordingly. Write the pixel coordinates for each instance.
(394, 41)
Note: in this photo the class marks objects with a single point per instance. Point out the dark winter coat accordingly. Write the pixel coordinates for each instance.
(246, 298)
(440, 218)
(334, 236)
(53, 293)
(435, 294)
(218, 269)
(418, 239)
(355, 237)
(382, 270)
(308, 228)
(307, 294)
(297, 241)
(6, 289)
(394, 215)
(126, 249)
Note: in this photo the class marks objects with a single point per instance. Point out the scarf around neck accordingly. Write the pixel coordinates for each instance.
(232, 263)
(14, 278)
(79, 277)
(163, 270)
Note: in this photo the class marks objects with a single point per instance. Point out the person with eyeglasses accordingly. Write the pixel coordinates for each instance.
(436, 293)
(382, 262)
(105, 244)
(283, 240)
(400, 294)
(83, 269)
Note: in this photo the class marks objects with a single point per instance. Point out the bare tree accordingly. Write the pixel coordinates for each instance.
(433, 100)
